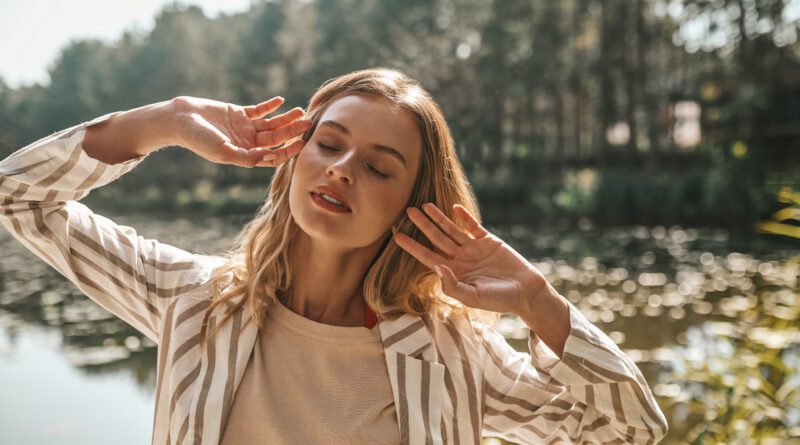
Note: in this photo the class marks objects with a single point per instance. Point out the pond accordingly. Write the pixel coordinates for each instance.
(687, 305)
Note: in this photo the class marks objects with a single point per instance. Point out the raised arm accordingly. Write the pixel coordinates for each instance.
(134, 278)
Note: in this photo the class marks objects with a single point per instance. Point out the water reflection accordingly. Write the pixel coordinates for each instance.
(681, 302)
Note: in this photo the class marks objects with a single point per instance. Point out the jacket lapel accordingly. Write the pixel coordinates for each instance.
(212, 402)
(417, 379)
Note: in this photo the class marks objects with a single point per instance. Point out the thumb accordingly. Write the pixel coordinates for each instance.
(462, 292)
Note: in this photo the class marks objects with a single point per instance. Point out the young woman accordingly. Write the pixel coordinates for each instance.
(355, 308)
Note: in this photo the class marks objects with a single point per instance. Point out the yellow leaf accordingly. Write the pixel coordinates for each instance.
(778, 229)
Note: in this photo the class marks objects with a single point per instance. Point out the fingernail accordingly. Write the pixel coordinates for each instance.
(438, 271)
(394, 228)
(269, 157)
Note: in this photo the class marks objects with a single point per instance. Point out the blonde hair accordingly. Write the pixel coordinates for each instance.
(396, 282)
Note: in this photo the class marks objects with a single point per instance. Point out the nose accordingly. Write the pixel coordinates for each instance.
(340, 170)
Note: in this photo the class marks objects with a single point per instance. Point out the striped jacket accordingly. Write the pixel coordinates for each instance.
(453, 379)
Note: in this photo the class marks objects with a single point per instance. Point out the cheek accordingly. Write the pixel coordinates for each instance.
(391, 199)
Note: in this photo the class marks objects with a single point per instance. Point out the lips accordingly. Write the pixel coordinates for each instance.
(333, 194)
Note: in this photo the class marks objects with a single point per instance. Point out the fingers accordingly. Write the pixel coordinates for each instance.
(473, 225)
(278, 156)
(282, 134)
(430, 230)
(417, 250)
(258, 157)
(278, 121)
(264, 108)
(445, 224)
(235, 155)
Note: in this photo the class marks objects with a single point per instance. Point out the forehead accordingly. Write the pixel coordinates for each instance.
(376, 121)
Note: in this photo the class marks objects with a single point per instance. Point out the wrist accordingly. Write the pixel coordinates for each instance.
(532, 294)
(546, 313)
(164, 124)
(150, 127)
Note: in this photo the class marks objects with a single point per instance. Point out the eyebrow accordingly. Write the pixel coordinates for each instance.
(382, 148)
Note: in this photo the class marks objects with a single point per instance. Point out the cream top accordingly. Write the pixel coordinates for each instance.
(309, 382)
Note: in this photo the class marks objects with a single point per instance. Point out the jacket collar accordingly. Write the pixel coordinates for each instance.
(409, 336)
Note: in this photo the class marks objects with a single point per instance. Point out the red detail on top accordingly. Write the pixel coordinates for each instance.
(371, 319)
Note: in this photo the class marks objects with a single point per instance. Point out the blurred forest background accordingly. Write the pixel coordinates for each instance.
(615, 112)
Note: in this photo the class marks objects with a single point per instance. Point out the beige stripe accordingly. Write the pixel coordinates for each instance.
(591, 368)
(123, 266)
(576, 364)
(509, 399)
(169, 266)
(227, 400)
(405, 332)
(146, 324)
(425, 400)
(615, 401)
(31, 239)
(163, 347)
(529, 425)
(185, 347)
(491, 412)
(183, 431)
(650, 437)
(631, 433)
(187, 380)
(50, 196)
(443, 429)
(123, 238)
(451, 392)
(430, 326)
(472, 395)
(527, 418)
(515, 377)
(59, 172)
(211, 359)
(634, 386)
(401, 389)
(192, 311)
(93, 177)
(418, 352)
(19, 192)
(126, 290)
(25, 168)
(597, 424)
(44, 230)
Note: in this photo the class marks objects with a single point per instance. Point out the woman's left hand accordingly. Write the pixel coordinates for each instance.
(477, 268)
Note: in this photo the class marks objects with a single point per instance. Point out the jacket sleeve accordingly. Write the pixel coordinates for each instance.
(594, 394)
(132, 277)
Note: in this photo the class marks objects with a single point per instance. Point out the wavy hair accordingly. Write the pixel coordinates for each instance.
(257, 267)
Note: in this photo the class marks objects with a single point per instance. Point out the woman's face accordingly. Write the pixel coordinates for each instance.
(367, 152)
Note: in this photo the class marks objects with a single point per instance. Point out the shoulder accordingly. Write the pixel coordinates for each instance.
(456, 332)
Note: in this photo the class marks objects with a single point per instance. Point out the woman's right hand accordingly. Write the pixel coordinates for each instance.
(225, 133)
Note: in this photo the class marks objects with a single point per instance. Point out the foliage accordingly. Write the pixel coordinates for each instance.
(534, 89)
(739, 382)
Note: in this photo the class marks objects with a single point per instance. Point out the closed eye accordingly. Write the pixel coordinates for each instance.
(377, 172)
(327, 147)
(371, 168)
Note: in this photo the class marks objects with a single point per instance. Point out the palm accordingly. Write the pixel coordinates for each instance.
(232, 122)
(232, 134)
(479, 268)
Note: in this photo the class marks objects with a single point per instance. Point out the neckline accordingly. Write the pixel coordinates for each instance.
(322, 331)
